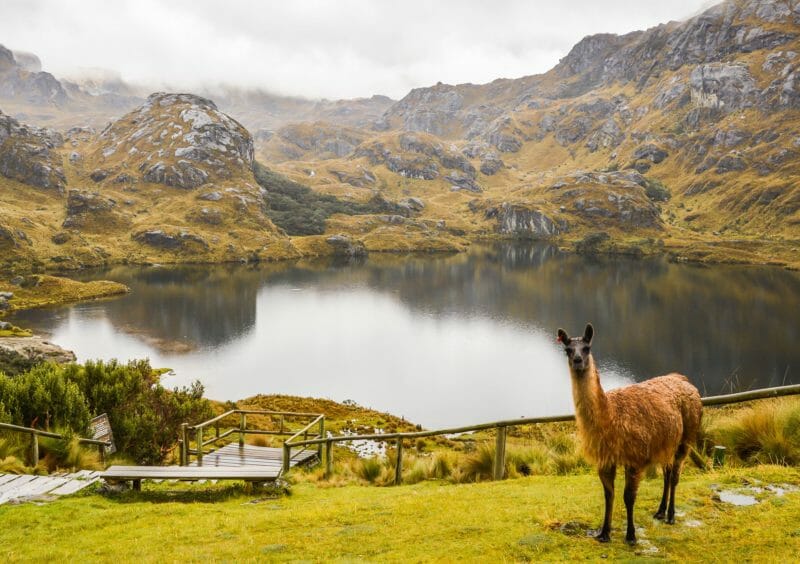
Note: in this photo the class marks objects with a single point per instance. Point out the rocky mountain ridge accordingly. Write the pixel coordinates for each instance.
(683, 137)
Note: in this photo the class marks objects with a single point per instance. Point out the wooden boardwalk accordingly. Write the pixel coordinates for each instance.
(234, 456)
(26, 487)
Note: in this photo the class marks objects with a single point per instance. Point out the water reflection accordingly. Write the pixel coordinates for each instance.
(443, 339)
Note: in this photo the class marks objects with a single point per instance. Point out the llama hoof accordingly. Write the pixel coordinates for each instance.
(660, 515)
(630, 541)
(602, 537)
(670, 520)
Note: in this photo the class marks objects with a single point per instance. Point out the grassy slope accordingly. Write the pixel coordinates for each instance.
(510, 521)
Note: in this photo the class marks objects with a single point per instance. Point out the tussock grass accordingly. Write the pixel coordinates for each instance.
(763, 433)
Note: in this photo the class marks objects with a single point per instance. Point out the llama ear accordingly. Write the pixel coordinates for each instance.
(563, 338)
(588, 333)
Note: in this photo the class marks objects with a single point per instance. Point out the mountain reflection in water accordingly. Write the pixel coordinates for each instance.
(442, 340)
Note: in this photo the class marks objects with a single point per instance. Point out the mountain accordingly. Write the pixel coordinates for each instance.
(683, 138)
(171, 181)
(694, 123)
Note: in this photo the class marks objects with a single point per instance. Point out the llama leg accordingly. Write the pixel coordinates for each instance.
(607, 476)
(632, 478)
(662, 507)
(680, 455)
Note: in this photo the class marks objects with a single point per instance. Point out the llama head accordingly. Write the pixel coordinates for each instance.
(578, 349)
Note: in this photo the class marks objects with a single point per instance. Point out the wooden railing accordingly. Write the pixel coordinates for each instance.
(284, 419)
(36, 433)
(501, 426)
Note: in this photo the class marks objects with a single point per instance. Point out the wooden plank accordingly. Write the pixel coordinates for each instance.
(37, 486)
(9, 486)
(7, 478)
(73, 486)
(189, 473)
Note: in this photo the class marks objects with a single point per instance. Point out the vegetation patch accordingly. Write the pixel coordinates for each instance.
(299, 210)
(40, 290)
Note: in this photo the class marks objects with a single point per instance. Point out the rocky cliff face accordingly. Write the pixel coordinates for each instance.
(28, 155)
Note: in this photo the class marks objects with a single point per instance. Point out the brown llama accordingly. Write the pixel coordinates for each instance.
(653, 422)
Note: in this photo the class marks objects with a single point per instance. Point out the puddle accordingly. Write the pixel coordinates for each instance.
(734, 498)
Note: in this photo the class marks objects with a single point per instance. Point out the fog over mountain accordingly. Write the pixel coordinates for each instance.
(314, 48)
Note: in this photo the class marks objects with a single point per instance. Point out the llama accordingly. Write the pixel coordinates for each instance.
(653, 422)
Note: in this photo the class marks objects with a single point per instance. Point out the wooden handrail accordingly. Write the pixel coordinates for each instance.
(248, 412)
(35, 433)
(501, 426)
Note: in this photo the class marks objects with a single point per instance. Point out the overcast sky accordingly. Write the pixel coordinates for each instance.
(317, 48)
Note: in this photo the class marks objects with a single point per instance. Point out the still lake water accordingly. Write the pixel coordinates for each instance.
(442, 340)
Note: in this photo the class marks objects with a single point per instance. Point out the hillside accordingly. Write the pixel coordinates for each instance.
(685, 133)
(683, 138)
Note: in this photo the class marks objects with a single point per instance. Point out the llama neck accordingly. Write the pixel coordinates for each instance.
(591, 403)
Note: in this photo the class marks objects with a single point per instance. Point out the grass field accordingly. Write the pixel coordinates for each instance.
(540, 518)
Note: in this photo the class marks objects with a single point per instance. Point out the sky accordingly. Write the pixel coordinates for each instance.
(318, 48)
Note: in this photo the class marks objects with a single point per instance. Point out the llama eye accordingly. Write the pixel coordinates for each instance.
(585, 350)
(569, 352)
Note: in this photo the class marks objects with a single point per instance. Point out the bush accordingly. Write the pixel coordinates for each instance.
(145, 417)
(44, 398)
(299, 210)
(656, 191)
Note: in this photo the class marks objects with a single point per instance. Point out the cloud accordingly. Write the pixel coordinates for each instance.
(318, 48)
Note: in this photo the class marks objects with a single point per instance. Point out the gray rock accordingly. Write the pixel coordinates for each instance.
(19, 354)
(210, 196)
(27, 154)
(521, 221)
(163, 240)
(722, 86)
(5, 326)
(84, 207)
(650, 152)
(731, 162)
(17, 280)
(345, 246)
(99, 175)
(463, 182)
(412, 204)
(6, 295)
(491, 164)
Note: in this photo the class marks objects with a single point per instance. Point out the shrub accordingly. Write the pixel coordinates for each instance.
(656, 191)
(67, 454)
(299, 210)
(144, 416)
(44, 398)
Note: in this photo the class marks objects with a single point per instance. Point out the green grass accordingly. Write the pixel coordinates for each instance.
(534, 518)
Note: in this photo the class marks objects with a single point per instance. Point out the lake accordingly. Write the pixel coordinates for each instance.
(442, 340)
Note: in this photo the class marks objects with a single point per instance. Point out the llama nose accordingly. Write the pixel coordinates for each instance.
(577, 360)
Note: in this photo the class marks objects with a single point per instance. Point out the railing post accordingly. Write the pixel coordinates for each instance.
(199, 439)
(500, 454)
(719, 457)
(184, 457)
(328, 458)
(35, 448)
(242, 427)
(216, 431)
(398, 469)
(321, 436)
(102, 449)
(287, 455)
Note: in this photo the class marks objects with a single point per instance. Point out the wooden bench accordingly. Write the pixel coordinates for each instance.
(136, 474)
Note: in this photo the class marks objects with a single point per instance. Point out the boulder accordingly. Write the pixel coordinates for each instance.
(19, 354)
(345, 246)
(722, 86)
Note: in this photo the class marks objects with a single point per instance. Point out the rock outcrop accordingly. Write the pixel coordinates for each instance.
(179, 140)
(28, 155)
(19, 354)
